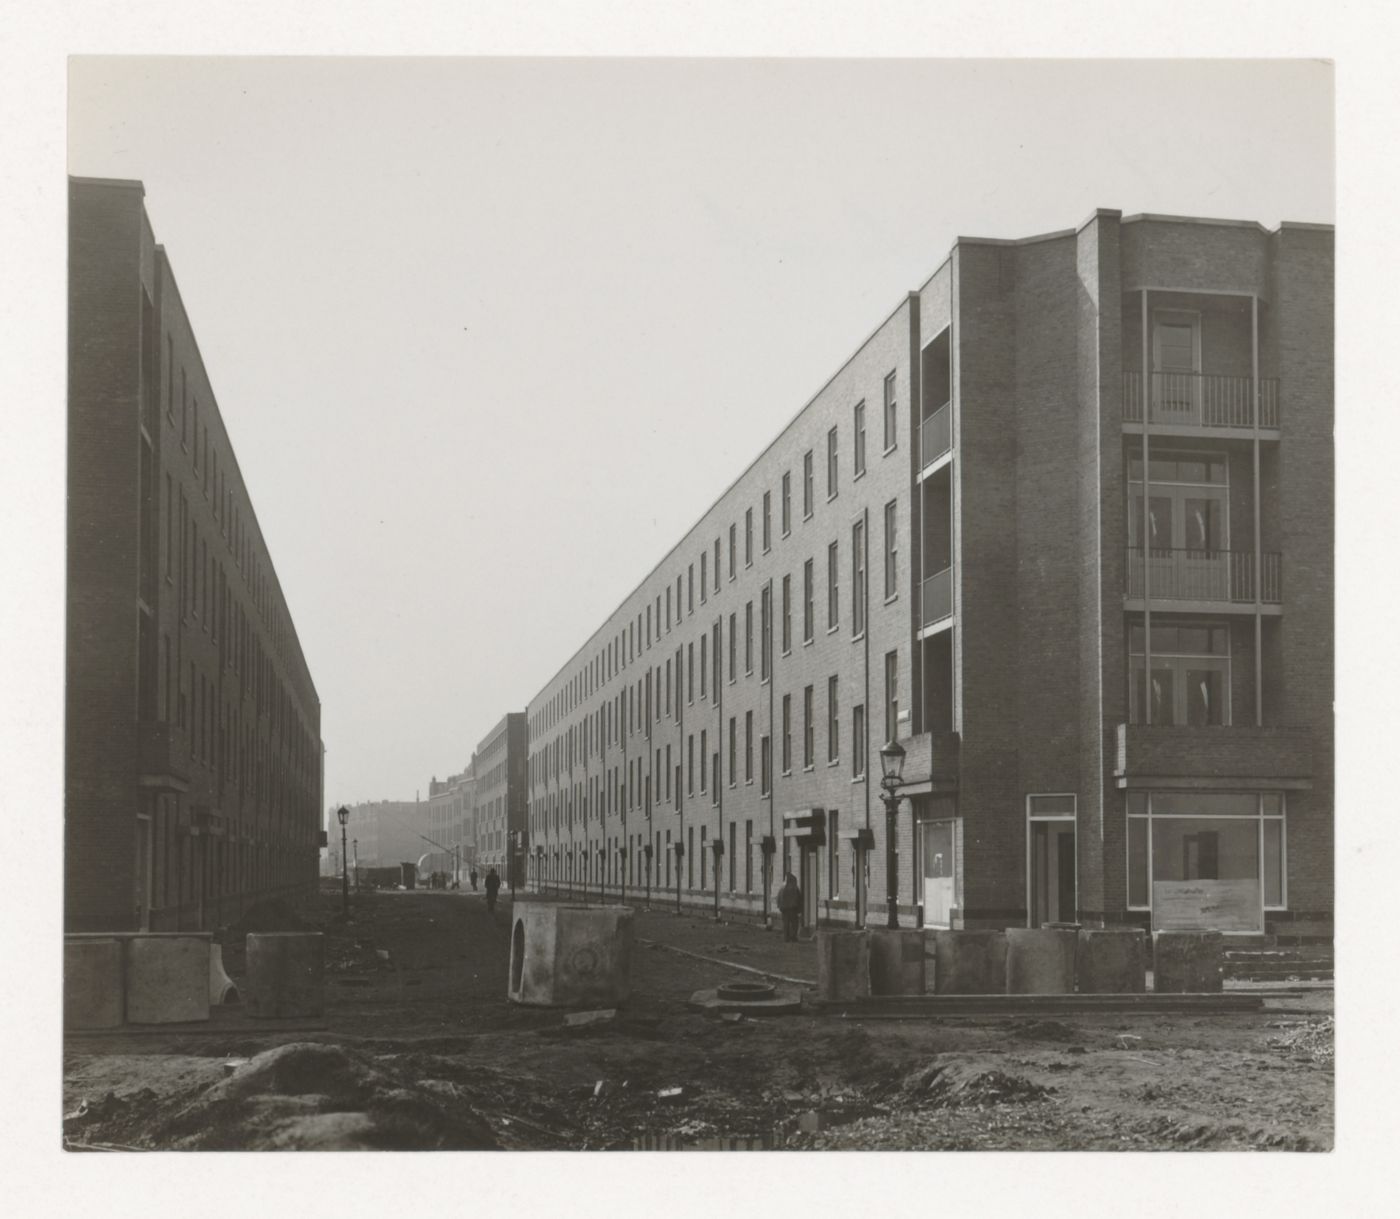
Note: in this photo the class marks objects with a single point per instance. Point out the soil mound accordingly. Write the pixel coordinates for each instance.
(302, 1096)
(955, 1086)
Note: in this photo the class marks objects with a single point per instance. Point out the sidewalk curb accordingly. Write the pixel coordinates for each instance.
(748, 969)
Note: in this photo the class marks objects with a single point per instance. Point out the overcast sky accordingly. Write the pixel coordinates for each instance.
(489, 335)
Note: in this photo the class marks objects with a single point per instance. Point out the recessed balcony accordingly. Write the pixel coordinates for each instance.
(1192, 402)
(936, 436)
(936, 600)
(931, 761)
(1215, 578)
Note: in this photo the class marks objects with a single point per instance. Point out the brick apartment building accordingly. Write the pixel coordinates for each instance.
(451, 804)
(193, 752)
(1063, 526)
(500, 798)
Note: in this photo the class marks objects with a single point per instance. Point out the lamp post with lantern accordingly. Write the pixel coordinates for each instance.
(342, 814)
(891, 775)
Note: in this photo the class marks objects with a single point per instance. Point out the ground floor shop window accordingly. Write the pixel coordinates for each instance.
(1206, 860)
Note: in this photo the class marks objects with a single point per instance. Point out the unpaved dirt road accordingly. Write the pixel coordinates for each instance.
(419, 1049)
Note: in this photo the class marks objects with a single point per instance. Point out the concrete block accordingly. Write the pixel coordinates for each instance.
(896, 962)
(1111, 962)
(167, 978)
(570, 956)
(843, 965)
(286, 974)
(969, 962)
(1187, 962)
(93, 982)
(1040, 961)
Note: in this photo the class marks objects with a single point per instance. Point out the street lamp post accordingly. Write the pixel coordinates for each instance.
(646, 850)
(622, 871)
(891, 773)
(680, 854)
(355, 848)
(342, 815)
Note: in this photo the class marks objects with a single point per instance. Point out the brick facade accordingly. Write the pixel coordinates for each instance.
(1038, 346)
(193, 748)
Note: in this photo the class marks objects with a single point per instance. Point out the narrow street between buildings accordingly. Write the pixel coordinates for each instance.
(419, 1048)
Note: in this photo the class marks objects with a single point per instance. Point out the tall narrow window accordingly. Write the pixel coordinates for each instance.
(733, 749)
(748, 537)
(891, 416)
(716, 650)
(748, 637)
(767, 521)
(860, 439)
(858, 578)
(787, 615)
(733, 644)
(690, 672)
(833, 722)
(807, 483)
(833, 589)
(808, 595)
(809, 729)
(690, 589)
(704, 581)
(891, 695)
(787, 502)
(717, 565)
(831, 463)
(765, 765)
(765, 633)
(748, 746)
(704, 753)
(733, 551)
(891, 550)
(857, 742)
(704, 662)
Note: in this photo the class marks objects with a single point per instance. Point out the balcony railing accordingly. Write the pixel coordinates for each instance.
(1205, 575)
(1194, 399)
(938, 597)
(936, 435)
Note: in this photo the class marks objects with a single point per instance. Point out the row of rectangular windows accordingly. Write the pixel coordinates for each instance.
(636, 788)
(638, 634)
(643, 690)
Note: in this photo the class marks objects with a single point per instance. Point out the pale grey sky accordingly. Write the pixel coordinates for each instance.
(490, 335)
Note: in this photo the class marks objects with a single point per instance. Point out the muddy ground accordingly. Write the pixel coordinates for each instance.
(420, 1049)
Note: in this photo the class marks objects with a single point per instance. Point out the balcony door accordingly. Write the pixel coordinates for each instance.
(1176, 366)
(1186, 533)
(1051, 861)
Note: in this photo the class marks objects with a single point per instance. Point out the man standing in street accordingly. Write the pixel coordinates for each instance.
(493, 885)
(473, 880)
(790, 906)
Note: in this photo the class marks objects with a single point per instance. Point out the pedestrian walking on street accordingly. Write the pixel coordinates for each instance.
(790, 906)
(493, 885)
(473, 879)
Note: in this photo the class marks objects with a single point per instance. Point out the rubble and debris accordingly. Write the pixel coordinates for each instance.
(579, 1020)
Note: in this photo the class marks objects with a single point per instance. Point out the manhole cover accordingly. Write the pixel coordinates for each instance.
(747, 990)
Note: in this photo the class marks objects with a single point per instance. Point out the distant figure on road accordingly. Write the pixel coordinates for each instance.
(790, 905)
(493, 884)
(473, 880)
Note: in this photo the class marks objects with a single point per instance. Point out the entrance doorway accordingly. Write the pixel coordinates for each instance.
(938, 871)
(141, 874)
(808, 878)
(1053, 896)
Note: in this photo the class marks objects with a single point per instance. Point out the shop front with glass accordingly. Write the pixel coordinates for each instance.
(1207, 861)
